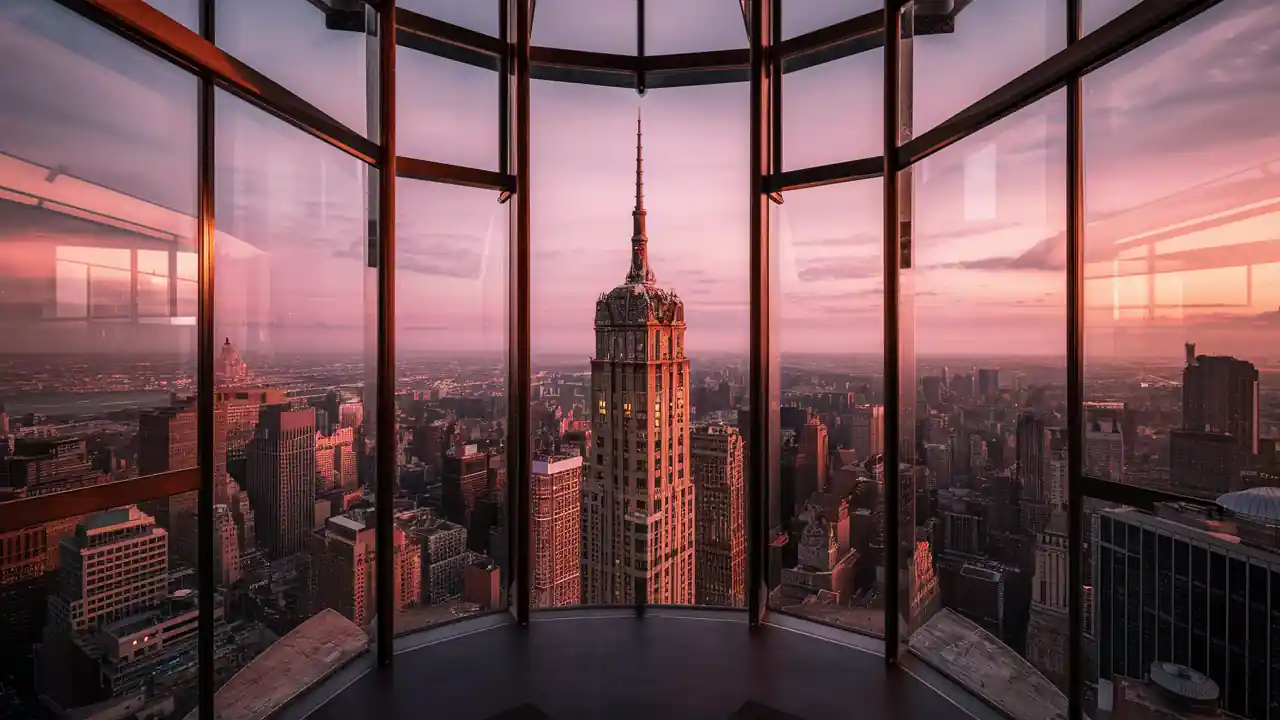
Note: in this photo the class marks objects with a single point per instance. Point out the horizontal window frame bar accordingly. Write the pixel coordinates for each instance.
(152, 30)
(1137, 496)
(1136, 26)
(712, 67)
(831, 174)
(31, 511)
(438, 172)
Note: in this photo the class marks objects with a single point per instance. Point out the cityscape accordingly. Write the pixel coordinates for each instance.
(640, 410)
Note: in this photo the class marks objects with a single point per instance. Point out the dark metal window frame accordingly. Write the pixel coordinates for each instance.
(761, 64)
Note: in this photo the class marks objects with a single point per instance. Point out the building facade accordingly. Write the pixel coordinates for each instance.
(556, 489)
(721, 536)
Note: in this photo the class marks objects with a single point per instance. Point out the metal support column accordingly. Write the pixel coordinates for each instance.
(893, 635)
(519, 433)
(761, 390)
(205, 348)
(1075, 374)
(385, 428)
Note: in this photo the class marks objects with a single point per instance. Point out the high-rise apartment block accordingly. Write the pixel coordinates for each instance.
(114, 566)
(443, 555)
(281, 462)
(336, 459)
(638, 516)
(721, 537)
(343, 556)
(556, 490)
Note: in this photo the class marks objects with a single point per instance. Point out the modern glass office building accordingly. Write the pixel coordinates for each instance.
(639, 358)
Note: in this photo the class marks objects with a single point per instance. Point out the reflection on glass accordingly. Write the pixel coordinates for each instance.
(985, 310)
(607, 26)
(651, 425)
(832, 112)
(292, 491)
(677, 26)
(451, 529)
(828, 561)
(481, 16)
(447, 111)
(1181, 298)
(289, 43)
(994, 42)
(97, 196)
(802, 16)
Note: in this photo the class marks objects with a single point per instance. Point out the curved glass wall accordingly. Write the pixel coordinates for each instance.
(121, 364)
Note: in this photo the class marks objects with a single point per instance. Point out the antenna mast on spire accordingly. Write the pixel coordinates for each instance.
(640, 272)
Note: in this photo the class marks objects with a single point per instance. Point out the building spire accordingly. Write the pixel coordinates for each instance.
(640, 272)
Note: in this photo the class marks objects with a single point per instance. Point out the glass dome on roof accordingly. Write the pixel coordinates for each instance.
(1261, 504)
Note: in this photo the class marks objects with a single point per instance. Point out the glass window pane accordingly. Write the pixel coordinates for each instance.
(451, 263)
(830, 337)
(1181, 256)
(607, 26)
(832, 112)
(994, 42)
(802, 16)
(447, 111)
(289, 43)
(679, 26)
(647, 450)
(292, 321)
(1097, 13)
(983, 322)
(478, 15)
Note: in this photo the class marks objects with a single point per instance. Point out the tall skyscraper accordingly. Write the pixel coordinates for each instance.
(1055, 467)
(557, 536)
(281, 470)
(1220, 395)
(721, 537)
(1049, 626)
(167, 441)
(988, 381)
(639, 509)
(466, 477)
(811, 468)
(1031, 465)
(866, 431)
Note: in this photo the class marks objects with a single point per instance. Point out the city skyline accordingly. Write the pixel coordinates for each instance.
(987, 211)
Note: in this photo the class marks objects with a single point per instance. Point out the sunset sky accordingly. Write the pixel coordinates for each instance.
(1196, 106)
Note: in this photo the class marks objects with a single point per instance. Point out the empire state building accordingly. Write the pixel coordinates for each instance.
(638, 504)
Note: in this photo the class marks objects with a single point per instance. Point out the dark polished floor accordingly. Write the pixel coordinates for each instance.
(672, 663)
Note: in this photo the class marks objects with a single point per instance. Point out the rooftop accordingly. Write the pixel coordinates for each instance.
(965, 652)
